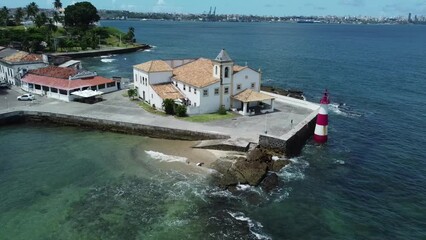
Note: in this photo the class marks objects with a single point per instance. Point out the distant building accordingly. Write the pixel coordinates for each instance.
(61, 83)
(203, 85)
(409, 18)
(14, 63)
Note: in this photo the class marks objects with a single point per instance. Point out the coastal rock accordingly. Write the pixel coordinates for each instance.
(251, 171)
(279, 164)
(259, 155)
(270, 182)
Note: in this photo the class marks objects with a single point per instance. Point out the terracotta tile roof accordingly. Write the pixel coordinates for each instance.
(55, 72)
(167, 91)
(198, 73)
(154, 66)
(23, 57)
(249, 95)
(238, 68)
(63, 83)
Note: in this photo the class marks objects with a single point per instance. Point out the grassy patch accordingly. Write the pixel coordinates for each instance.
(150, 109)
(208, 117)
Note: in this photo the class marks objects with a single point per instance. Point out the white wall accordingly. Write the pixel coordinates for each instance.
(246, 77)
(155, 100)
(8, 72)
(141, 84)
(57, 95)
(188, 92)
(210, 103)
(159, 77)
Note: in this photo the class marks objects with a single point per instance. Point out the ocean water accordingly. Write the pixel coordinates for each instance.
(367, 182)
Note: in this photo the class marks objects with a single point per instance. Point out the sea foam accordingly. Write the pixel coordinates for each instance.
(166, 158)
(108, 60)
(254, 227)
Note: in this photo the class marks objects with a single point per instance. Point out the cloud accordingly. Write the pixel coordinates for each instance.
(354, 3)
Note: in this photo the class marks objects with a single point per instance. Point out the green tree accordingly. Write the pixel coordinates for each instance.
(40, 20)
(169, 106)
(222, 110)
(181, 110)
(130, 36)
(19, 15)
(4, 16)
(32, 9)
(132, 93)
(81, 15)
(57, 4)
(57, 18)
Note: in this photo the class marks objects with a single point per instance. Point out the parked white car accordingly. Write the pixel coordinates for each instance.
(26, 97)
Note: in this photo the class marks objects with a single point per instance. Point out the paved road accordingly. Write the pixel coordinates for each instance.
(119, 108)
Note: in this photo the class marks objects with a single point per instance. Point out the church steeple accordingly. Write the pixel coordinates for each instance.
(223, 64)
(223, 57)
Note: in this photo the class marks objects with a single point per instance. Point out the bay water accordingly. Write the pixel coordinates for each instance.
(367, 182)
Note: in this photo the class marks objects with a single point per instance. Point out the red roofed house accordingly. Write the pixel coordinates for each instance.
(60, 83)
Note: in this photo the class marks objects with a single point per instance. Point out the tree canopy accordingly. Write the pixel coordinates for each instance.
(4, 15)
(19, 15)
(40, 20)
(57, 4)
(81, 14)
(32, 9)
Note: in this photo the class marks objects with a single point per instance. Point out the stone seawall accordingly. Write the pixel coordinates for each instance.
(20, 117)
(292, 142)
(96, 53)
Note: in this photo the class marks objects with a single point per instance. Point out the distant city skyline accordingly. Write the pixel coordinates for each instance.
(375, 8)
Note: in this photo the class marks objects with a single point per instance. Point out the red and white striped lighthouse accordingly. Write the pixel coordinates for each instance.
(321, 129)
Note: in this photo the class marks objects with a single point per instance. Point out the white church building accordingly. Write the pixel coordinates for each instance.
(203, 85)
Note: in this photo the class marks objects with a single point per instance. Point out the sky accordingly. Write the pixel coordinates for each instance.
(376, 8)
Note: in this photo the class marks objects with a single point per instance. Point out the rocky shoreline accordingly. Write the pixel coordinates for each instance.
(294, 93)
(258, 167)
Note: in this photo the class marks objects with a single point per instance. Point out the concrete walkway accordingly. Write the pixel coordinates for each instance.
(119, 108)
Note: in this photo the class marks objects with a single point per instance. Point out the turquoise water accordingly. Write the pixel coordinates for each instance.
(368, 182)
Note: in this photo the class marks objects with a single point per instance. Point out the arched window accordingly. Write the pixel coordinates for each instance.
(226, 72)
(215, 70)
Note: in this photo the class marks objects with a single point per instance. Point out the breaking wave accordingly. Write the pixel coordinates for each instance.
(108, 60)
(254, 227)
(295, 170)
(166, 158)
(343, 110)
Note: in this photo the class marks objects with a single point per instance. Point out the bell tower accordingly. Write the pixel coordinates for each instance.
(222, 67)
(223, 70)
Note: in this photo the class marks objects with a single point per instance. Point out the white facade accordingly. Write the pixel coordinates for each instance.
(206, 98)
(10, 72)
(64, 95)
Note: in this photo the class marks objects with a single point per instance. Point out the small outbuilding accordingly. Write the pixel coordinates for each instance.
(253, 102)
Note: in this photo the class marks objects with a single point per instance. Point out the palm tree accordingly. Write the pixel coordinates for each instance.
(4, 15)
(56, 17)
(57, 4)
(40, 20)
(131, 34)
(32, 9)
(19, 14)
(51, 27)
